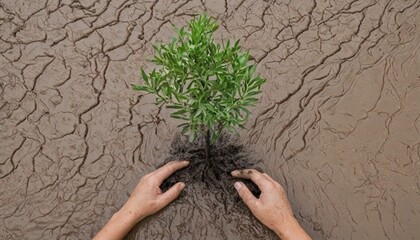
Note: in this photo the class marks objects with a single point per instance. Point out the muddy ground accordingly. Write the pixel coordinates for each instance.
(338, 123)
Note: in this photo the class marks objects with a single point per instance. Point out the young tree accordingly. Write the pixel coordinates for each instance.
(209, 85)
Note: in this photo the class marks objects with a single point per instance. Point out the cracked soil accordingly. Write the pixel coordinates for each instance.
(338, 124)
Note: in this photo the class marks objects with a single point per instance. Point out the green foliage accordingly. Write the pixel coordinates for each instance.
(207, 84)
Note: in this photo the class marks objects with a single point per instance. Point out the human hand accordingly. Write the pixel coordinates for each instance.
(272, 208)
(146, 199)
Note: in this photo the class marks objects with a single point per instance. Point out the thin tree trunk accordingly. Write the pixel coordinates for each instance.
(207, 147)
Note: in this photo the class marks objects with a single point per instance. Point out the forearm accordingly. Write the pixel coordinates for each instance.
(119, 225)
(291, 231)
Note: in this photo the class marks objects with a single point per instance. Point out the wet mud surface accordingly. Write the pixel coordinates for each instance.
(338, 123)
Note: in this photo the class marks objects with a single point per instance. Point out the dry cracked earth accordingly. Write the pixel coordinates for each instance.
(338, 123)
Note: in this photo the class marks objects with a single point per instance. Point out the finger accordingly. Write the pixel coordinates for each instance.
(257, 177)
(272, 180)
(246, 195)
(269, 178)
(167, 170)
(173, 192)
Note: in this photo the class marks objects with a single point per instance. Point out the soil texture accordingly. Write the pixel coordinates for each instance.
(225, 156)
(338, 123)
(209, 193)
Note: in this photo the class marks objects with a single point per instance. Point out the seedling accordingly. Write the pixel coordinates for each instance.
(209, 85)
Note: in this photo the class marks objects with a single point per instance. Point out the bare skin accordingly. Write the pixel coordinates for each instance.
(146, 199)
(272, 208)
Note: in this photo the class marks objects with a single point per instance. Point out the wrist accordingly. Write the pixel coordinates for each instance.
(130, 215)
(119, 225)
(290, 230)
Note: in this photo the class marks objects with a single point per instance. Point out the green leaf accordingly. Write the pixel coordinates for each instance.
(141, 88)
(243, 59)
(144, 76)
(179, 117)
(192, 137)
(183, 125)
(184, 130)
(252, 93)
(245, 110)
(174, 106)
(179, 112)
(227, 44)
(197, 113)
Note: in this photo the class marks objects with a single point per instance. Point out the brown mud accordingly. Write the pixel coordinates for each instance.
(209, 193)
(338, 124)
(226, 155)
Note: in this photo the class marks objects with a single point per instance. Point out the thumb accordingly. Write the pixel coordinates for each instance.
(245, 194)
(170, 195)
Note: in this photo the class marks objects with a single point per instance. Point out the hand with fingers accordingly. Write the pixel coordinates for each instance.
(146, 199)
(272, 207)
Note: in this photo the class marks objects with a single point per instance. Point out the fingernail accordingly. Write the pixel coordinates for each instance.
(182, 185)
(238, 186)
(235, 172)
(186, 161)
